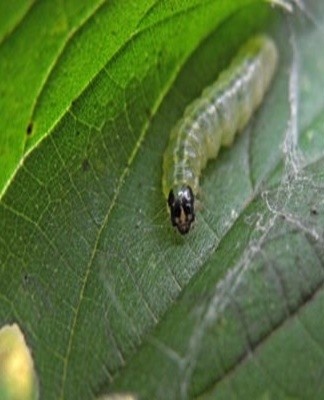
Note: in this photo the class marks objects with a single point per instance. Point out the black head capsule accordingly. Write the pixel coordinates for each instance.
(182, 208)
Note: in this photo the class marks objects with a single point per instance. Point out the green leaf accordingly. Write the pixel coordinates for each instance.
(110, 298)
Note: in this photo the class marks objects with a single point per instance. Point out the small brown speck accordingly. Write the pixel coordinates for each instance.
(313, 211)
(85, 165)
(29, 129)
(148, 113)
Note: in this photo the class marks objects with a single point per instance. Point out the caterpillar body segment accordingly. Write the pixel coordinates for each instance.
(211, 121)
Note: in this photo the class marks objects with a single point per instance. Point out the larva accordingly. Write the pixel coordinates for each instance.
(211, 121)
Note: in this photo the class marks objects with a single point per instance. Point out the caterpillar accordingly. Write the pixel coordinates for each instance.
(211, 121)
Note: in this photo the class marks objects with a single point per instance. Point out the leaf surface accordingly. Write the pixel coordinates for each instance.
(109, 297)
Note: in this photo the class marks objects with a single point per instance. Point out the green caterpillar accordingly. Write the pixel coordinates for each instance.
(211, 121)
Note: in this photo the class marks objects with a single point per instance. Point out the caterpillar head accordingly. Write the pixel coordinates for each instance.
(181, 204)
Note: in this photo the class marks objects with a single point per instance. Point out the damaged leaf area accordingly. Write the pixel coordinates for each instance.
(112, 301)
(17, 375)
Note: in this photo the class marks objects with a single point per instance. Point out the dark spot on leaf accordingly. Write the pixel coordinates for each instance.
(148, 113)
(313, 211)
(77, 133)
(85, 165)
(29, 129)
